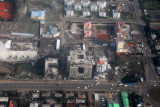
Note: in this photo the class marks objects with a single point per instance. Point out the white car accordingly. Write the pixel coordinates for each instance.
(78, 87)
(135, 86)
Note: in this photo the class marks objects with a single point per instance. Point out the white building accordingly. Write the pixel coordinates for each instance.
(102, 64)
(34, 104)
(85, 3)
(116, 14)
(77, 6)
(69, 12)
(102, 68)
(102, 13)
(58, 44)
(3, 99)
(69, 3)
(93, 7)
(86, 13)
(101, 4)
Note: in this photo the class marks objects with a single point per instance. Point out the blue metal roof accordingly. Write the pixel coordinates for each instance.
(38, 13)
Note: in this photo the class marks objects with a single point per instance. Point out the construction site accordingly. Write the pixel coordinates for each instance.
(80, 63)
(79, 47)
(102, 32)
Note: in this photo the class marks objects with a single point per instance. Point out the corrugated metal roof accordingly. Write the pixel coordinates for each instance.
(6, 10)
(58, 44)
(22, 34)
(124, 94)
(113, 105)
(125, 99)
(38, 13)
(125, 102)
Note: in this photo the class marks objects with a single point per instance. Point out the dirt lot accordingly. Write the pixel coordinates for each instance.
(23, 23)
(155, 94)
(52, 8)
(6, 68)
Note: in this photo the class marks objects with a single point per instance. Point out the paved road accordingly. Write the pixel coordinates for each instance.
(76, 86)
(99, 20)
(138, 12)
(79, 86)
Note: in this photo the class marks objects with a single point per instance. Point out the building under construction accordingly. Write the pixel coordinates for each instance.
(6, 10)
(51, 68)
(80, 63)
(12, 51)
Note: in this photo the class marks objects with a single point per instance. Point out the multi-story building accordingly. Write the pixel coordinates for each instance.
(102, 67)
(80, 63)
(116, 14)
(69, 3)
(102, 13)
(77, 6)
(101, 4)
(93, 7)
(85, 3)
(102, 64)
(69, 12)
(123, 34)
(116, 11)
(86, 13)
(51, 68)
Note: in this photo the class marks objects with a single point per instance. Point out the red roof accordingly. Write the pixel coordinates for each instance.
(103, 36)
(6, 10)
(119, 7)
(118, 53)
(100, 63)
